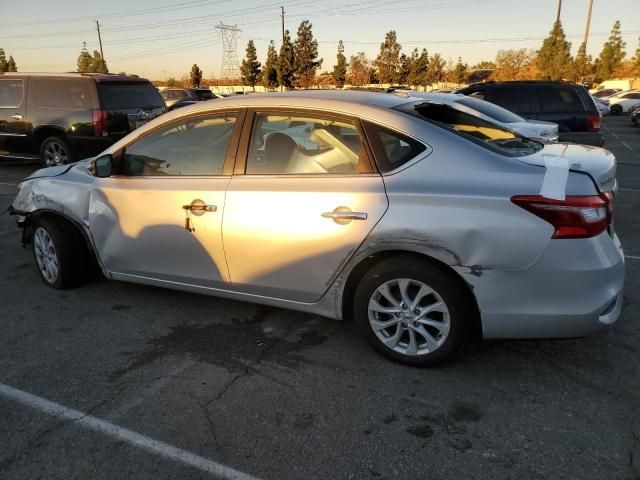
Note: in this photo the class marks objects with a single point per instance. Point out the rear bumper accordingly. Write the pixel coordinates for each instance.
(573, 289)
(595, 139)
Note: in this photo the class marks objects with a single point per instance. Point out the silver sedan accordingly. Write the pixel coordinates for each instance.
(424, 224)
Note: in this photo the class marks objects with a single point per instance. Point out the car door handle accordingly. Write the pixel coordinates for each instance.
(200, 208)
(344, 215)
(17, 116)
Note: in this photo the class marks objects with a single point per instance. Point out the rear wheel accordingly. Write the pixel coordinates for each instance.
(412, 311)
(55, 151)
(616, 109)
(60, 253)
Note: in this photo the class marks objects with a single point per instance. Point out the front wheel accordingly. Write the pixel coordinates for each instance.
(412, 311)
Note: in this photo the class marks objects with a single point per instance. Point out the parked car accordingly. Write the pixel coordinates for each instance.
(172, 96)
(62, 117)
(534, 129)
(567, 104)
(424, 223)
(619, 85)
(623, 101)
(607, 92)
(634, 116)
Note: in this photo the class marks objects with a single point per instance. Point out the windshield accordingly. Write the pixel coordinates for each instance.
(117, 95)
(204, 94)
(487, 134)
(491, 110)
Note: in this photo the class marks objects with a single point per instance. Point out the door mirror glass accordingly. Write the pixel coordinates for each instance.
(102, 166)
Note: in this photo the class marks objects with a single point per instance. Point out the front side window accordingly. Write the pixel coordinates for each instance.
(191, 146)
(11, 93)
(490, 135)
(292, 143)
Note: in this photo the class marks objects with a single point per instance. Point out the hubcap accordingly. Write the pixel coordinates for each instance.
(55, 154)
(46, 256)
(409, 317)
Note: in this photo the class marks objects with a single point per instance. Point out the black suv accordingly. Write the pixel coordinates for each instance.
(60, 118)
(567, 104)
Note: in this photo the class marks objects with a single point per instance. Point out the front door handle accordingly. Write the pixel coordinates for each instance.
(198, 207)
(344, 215)
(17, 116)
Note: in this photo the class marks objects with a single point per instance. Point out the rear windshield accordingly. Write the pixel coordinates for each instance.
(481, 132)
(491, 110)
(204, 94)
(114, 95)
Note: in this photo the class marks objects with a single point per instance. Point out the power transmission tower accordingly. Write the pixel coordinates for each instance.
(230, 67)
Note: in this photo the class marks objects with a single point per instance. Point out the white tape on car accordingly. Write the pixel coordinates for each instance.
(554, 184)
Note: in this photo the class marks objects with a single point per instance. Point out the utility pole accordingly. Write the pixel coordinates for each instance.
(559, 8)
(586, 31)
(282, 17)
(104, 63)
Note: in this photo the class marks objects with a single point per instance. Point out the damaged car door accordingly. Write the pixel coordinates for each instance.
(159, 215)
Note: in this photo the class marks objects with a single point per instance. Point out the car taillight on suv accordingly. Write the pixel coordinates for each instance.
(593, 123)
(574, 217)
(99, 121)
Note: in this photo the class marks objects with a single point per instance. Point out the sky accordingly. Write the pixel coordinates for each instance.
(159, 39)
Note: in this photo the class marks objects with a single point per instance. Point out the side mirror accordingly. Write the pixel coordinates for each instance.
(102, 166)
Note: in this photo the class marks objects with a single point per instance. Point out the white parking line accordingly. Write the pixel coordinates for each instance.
(7, 232)
(629, 189)
(93, 423)
(11, 184)
(632, 257)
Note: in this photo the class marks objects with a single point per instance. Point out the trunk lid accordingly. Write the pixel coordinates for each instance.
(598, 163)
(128, 105)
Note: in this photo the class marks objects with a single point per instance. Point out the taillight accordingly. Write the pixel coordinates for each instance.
(573, 217)
(593, 123)
(99, 121)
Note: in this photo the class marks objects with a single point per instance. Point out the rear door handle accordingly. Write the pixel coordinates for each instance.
(345, 215)
(17, 116)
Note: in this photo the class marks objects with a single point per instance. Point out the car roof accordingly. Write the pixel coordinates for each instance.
(99, 77)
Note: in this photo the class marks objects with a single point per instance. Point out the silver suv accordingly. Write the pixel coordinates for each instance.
(421, 222)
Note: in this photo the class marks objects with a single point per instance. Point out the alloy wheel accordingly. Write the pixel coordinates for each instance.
(55, 154)
(409, 317)
(46, 255)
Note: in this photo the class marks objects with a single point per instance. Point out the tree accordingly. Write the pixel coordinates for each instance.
(405, 69)
(98, 65)
(359, 69)
(554, 58)
(636, 61)
(419, 72)
(270, 72)
(250, 68)
(11, 65)
(171, 82)
(195, 76)
(612, 53)
(388, 60)
(3, 61)
(582, 66)
(84, 60)
(435, 73)
(510, 64)
(306, 60)
(286, 63)
(460, 72)
(340, 69)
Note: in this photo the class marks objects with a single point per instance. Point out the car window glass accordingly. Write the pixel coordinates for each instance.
(491, 110)
(192, 146)
(11, 93)
(68, 94)
(392, 149)
(473, 128)
(293, 144)
(479, 95)
(114, 95)
(508, 98)
(559, 99)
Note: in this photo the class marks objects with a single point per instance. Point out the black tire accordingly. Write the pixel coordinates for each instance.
(457, 300)
(55, 151)
(72, 259)
(615, 109)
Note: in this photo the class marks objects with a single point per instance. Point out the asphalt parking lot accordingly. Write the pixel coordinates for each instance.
(114, 380)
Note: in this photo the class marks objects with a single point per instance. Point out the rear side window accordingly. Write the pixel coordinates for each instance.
(490, 110)
(11, 93)
(192, 146)
(121, 95)
(558, 99)
(67, 94)
(391, 149)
